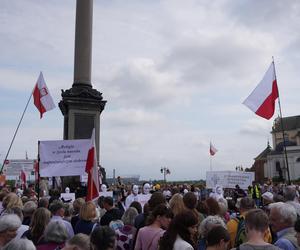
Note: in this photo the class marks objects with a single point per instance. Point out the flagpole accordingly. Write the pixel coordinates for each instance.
(38, 171)
(210, 163)
(15, 133)
(282, 129)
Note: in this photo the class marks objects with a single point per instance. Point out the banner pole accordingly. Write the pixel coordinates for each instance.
(12, 141)
(282, 130)
(38, 171)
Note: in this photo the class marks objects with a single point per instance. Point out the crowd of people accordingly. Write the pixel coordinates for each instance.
(165, 217)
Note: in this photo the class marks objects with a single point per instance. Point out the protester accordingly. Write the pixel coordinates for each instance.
(40, 219)
(19, 213)
(176, 204)
(9, 224)
(112, 213)
(28, 210)
(158, 222)
(87, 214)
(55, 236)
(180, 234)
(11, 200)
(290, 197)
(206, 225)
(103, 238)
(58, 211)
(78, 242)
(245, 205)
(43, 202)
(217, 239)
(282, 220)
(257, 226)
(126, 233)
(19, 244)
(77, 204)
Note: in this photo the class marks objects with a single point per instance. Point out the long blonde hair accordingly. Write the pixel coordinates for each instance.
(176, 204)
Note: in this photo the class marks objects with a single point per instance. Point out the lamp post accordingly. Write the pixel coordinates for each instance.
(165, 171)
(239, 168)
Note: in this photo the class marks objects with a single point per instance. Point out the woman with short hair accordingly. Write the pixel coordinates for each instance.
(87, 214)
(55, 236)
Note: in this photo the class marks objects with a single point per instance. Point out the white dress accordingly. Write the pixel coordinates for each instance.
(181, 244)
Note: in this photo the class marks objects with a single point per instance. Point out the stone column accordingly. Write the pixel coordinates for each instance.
(83, 43)
(82, 105)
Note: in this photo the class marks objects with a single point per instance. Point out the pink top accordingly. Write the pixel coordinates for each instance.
(148, 237)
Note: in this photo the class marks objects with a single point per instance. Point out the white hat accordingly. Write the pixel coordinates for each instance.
(268, 196)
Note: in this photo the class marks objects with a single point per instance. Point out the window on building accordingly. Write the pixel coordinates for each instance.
(298, 159)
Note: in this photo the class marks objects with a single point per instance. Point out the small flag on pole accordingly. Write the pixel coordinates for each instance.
(262, 99)
(91, 169)
(42, 98)
(212, 149)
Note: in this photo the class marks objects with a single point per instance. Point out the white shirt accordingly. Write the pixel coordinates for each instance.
(181, 244)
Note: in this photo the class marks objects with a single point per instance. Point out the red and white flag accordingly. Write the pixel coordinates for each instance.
(91, 169)
(212, 149)
(23, 179)
(42, 98)
(262, 99)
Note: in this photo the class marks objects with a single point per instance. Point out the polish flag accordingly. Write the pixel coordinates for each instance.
(91, 169)
(23, 179)
(212, 149)
(42, 98)
(262, 99)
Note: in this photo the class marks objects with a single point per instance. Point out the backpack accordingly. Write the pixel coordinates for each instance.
(240, 237)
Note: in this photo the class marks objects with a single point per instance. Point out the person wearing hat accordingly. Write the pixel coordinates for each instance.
(9, 224)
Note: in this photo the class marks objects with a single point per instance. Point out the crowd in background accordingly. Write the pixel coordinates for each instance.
(175, 217)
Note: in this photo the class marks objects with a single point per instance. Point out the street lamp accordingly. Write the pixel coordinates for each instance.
(165, 171)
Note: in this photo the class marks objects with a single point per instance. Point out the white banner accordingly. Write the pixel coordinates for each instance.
(63, 158)
(228, 179)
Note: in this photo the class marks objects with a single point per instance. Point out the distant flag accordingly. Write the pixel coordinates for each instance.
(212, 149)
(23, 179)
(42, 98)
(91, 169)
(262, 99)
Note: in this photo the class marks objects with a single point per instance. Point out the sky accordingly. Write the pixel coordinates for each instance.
(174, 74)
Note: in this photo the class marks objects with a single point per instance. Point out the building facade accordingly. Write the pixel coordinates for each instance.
(271, 162)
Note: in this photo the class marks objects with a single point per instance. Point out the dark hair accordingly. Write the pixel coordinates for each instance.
(202, 207)
(160, 210)
(216, 234)
(43, 202)
(178, 226)
(297, 226)
(156, 199)
(247, 203)
(103, 238)
(213, 207)
(55, 206)
(137, 206)
(190, 200)
(109, 201)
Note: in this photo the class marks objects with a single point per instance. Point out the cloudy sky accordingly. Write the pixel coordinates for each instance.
(174, 74)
